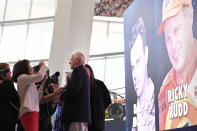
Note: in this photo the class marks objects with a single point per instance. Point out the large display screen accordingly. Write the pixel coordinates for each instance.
(161, 65)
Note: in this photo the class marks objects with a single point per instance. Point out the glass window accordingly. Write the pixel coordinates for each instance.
(2, 7)
(99, 38)
(98, 66)
(107, 37)
(114, 77)
(43, 8)
(17, 9)
(39, 41)
(35, 63)
(115, 38)
(12, 45)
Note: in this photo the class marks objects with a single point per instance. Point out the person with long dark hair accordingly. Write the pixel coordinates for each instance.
(9, 100)
(25, 78)
(99, 101)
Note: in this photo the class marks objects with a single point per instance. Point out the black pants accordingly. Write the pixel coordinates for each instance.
(92, 128)
(20, 126)
(7, 123)
(45, 123)
(8, 119)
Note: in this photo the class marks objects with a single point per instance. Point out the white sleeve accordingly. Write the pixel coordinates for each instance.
(28, 79)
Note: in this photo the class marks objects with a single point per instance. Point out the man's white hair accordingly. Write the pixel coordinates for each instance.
(79, 55)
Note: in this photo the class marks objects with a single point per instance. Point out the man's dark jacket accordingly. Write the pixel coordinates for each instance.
(77, 97)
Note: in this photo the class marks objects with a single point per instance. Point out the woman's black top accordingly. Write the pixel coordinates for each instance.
(9, 99)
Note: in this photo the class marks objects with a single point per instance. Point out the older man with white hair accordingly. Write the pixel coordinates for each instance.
(77, 96)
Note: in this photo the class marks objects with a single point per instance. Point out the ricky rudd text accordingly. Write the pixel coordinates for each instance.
(177, 100)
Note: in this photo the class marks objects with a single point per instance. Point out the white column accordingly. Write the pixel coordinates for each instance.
(72, 31)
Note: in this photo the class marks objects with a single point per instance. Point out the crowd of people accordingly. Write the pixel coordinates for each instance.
(112, 8)
(78, 106)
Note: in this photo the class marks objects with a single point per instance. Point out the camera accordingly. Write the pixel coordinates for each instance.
(50, 80)
(53, 78)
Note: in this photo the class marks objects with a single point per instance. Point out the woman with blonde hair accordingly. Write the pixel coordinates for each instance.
(9, 100)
